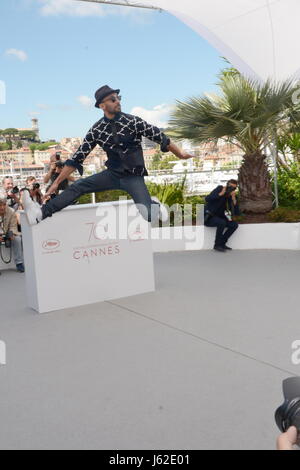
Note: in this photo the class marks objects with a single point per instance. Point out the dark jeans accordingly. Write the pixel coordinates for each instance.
(107, 179)
(222, 224)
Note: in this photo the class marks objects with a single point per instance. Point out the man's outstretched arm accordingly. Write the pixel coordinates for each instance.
(156, 135)
(178, 152)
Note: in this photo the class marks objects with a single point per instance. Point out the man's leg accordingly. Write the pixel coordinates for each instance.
(221, 225)
(136, 187)
(231, 228)
(100, 182)
(17, 250)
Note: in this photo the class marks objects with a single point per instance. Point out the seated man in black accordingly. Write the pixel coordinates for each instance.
(221, 200)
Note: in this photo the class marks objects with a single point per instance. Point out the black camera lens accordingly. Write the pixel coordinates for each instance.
(288, 414)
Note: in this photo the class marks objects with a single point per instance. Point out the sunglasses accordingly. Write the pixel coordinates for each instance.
(113, 99)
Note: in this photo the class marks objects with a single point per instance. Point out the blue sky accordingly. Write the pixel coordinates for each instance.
(54, 54)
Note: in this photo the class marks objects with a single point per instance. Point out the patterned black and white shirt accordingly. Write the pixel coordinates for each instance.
(121, 139)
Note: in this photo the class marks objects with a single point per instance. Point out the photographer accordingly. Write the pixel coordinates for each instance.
(13, 197)
(34, 188)
(9, 234)
(56, 166)
(12, 193)
(221, 200)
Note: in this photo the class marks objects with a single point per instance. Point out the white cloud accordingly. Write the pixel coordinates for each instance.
(158, 116)
(70, 8)
(84, 9)
(43, 106)
(21, 55)
(86, 101)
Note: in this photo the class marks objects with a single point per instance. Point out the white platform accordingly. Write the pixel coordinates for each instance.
(276, 236)
(69, 261)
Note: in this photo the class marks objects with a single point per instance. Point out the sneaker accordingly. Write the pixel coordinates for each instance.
(20, 268)
(32, 210)
(227, 247)
(163, 211)
(220, 248)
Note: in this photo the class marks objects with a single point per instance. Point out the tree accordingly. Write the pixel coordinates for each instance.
(5, 147)
(28, 135)
(245, 113)
(10, 132)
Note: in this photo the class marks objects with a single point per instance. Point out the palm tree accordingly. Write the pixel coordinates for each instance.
(245, 114)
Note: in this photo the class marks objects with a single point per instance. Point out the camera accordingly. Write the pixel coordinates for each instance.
(288, 414)
(59, 164)
(7, 239)
(229, 189)
(35, 186)
(15, 190)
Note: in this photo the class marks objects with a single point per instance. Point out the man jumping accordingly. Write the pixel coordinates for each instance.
(120, 136)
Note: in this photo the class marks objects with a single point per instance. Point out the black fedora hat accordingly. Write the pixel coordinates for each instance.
(102, 93)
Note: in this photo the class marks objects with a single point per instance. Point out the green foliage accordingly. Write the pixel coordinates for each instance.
(104, 196)
(43, 146)
(112, 195)
(168, 193)
(11, 131)
(30, 135)
(245, 111)
(289, 143)
(289, 186)
(284, 214)
(6, 146)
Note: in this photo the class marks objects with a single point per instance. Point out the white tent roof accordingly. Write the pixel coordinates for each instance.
(259, 37)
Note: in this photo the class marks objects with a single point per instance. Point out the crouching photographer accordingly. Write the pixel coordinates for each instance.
(221, 205)
(10, 237)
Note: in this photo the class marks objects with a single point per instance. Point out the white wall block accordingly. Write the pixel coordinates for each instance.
(69, 261)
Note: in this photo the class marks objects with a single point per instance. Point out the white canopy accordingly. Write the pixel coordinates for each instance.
(259, 37)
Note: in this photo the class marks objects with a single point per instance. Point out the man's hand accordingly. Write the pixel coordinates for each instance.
(1, 239)
(52, 190)
(178, 152)
(287, 440)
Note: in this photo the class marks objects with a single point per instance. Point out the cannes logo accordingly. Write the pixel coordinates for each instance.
(51, 244)
(2, 353)
(2, 92)
(138, 234)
